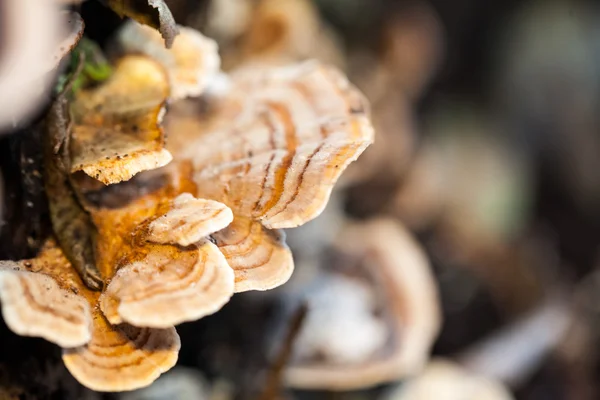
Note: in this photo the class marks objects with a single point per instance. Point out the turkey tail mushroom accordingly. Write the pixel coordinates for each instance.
(34, 305)
(116, 132)
(123, 357)
(191, 63)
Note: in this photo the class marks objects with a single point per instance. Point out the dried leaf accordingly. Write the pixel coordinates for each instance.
(154, 13)
(122, 357)
(192, 62)
(34, 305)
(70, 222)
(169, 286)
(259, 257)
(117, 129)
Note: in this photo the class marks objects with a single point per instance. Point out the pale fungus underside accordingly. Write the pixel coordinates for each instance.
(399, 272)
(179, 241)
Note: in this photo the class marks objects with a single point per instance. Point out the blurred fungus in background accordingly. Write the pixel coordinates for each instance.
(456, 258)
(33, 43)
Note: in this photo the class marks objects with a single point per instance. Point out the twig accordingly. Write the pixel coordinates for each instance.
(272, 389)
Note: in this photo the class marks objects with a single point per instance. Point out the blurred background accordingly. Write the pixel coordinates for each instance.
(459, 256)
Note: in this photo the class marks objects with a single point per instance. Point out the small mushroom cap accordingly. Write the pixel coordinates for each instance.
(161, 284)
(191, 62)
(189, 220)
(117, 132)
(114, 358)
(444, 380)
(259, 257)
(402, 274)
(279, 141)
(122, 357)
(34, 305)
(169, 286)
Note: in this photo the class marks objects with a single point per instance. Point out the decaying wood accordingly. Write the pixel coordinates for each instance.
(74, 230)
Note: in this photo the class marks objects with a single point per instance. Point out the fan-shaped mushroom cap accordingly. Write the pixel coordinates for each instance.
(191, 62)
(279, 142)
(444, 380)
(34, 305)
(116, 132)
(410, 303)
(271, 149)
(160, 285)
(169, 286)
(189, 220)
(122, 357)
(259, 257)
(117, 357)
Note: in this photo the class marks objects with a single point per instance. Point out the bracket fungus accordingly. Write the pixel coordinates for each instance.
(165, 283)
(130, 261)
(271, 149)
(45, 297)
(122, 338)
(191, 63)
(395, 268)
(117, 131)
(35, 305)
